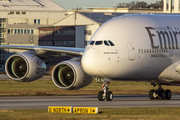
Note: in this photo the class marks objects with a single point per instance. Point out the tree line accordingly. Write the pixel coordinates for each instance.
(140, 4)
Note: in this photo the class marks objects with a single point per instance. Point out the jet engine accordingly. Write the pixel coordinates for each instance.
(25, 67)
(69, 75)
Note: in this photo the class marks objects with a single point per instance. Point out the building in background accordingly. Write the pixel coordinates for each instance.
(20, 20)
(57, 36)
(125, 10)
(119, 10)
(170, 7)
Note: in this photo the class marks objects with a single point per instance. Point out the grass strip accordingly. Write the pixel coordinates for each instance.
(104, 114)
(46, 87)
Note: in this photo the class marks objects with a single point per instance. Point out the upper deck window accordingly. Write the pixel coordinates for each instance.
(99, 43)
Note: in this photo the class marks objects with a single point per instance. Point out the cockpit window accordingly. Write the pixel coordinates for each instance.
(106, 43)
(92, 43)
(98, 43)
(111, 43)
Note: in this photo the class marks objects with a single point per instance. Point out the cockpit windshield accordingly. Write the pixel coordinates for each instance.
(92, 43)
(111, 43)
(105, 42)
(99, 43)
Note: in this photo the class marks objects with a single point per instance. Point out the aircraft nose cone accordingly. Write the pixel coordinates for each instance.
(90, 62)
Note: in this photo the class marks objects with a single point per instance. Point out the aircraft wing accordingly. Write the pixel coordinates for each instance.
(67, 50)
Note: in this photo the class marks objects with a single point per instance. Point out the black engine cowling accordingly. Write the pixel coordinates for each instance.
(69, 75)
(25, 67)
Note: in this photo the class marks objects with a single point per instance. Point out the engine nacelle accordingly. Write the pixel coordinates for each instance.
(69, 75)
(25, 67)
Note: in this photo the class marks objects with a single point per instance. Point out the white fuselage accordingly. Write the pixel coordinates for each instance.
(144, 46)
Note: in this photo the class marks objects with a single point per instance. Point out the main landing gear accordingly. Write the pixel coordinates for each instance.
(160, 94)
(102, 95)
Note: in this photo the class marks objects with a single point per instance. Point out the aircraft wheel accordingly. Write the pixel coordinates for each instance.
(152, 94)
(101, 96)
(109, 96)
(161, 94)
(168, 94)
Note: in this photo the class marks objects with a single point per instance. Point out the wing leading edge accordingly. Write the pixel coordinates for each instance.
(67, 50)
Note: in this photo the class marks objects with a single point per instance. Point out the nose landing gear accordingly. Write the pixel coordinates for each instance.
(160, 94)
(102, 95)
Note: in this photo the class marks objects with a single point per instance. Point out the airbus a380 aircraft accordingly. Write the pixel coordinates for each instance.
(125, 48)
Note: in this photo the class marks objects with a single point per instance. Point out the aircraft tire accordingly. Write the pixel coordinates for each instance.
(168, 94)
(100, 96)
(161, 94)
(152, 94)
(109, 96)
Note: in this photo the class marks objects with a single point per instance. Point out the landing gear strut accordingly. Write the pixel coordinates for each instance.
(160, 94)
(102, 95)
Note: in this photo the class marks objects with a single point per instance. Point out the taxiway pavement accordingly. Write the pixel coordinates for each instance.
(119, 101)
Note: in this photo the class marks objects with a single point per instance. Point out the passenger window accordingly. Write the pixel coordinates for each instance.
(147, 50)
(92, 43)
(111, 43)
(98, 43)
(144, 50)
(150, 51)
(106, 43)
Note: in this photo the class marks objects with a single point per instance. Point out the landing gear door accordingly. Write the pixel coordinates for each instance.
(131, 51)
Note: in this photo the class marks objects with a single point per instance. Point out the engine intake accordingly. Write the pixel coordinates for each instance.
(69, 75)
(18, 67)
(25, 67)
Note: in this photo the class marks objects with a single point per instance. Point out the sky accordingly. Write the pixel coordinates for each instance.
(70, 4)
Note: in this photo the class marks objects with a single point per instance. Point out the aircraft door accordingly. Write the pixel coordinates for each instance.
(131, 51)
